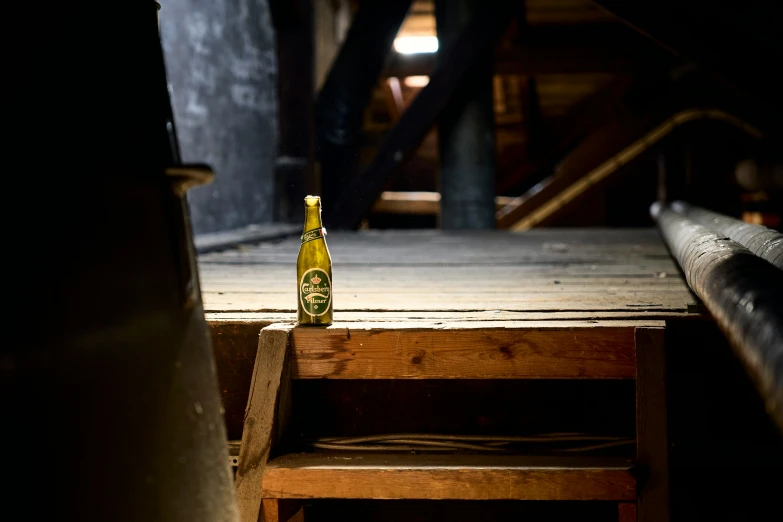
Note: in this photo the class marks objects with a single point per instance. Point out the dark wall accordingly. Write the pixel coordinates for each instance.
(221, 64)
(725, 454)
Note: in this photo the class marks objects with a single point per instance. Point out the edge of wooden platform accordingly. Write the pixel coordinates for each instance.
(440, 477)
(490, 350)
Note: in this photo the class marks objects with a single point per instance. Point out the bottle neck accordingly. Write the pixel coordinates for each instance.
(312, 217)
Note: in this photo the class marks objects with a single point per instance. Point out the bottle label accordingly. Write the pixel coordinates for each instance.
(312, 235)
(315, 292)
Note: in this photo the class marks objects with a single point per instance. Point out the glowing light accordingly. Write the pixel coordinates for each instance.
(416, 81)
(416, 44)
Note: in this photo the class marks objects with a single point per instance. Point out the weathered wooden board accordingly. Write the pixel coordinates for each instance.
(626, 512)
(267, 406)
(468, 477)
(235, 345)
(542, 271)
(651, 425)
(279, 510)
(489, 247)
(229, 239)
(265, 318)
(536, 351)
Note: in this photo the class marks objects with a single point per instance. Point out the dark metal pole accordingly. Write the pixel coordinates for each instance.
(743, 292)
(762, 241)
(466, 131)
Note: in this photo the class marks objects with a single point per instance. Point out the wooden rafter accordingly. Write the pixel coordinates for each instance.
(556, 50)
(417, 120)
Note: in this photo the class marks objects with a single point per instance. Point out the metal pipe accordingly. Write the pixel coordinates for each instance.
(743, 292)
(762, 241)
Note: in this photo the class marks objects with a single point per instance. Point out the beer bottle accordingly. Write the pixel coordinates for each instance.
(314, 270)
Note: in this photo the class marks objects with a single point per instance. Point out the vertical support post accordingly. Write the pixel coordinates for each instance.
(652, 442)
(626, 512)
(530, 104)
(331, 19)
(672, 172)
(293, 20)
(662, 177)
(466, 131)
(535, 141)
(282, 510)
(267, 412)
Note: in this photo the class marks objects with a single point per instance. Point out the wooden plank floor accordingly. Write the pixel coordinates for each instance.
(543, 274)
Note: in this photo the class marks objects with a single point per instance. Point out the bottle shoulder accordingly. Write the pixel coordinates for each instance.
(317, 254)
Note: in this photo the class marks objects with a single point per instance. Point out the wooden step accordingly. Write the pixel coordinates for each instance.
(454, 477)
(534, 350)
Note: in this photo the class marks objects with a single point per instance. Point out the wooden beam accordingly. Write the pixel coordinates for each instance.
(392, 97)
(356, 351)
(569, 59)
(293, 21)
(529, 102)
(234, 345)
(606, 48)
(651, 428)
(342, 102)
(733, 48)
(228, 239)
(581, 120)
(331, 18)
(454, 477)
(626, 512)
(267, 412)
(422, 203)
(281, 510)
(602, 155)
(417, 120)
(532, 121)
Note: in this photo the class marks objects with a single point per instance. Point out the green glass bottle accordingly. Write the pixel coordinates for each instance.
(314, 270)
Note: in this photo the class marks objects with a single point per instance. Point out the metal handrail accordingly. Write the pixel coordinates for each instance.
(614, 163)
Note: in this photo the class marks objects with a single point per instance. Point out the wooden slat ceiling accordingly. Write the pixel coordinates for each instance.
(557, 92)
(571, 50)
(562, 12)
(421, 18)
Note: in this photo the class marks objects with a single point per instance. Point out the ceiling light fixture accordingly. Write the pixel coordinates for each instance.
(416, 44)
(416, 81)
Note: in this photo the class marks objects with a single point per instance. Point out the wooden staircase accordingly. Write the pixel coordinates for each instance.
(271, 486)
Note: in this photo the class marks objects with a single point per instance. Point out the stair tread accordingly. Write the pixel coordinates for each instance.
(470, 477)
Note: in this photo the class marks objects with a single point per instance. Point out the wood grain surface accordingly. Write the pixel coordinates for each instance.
(595, 272)
(267, 409)
(651, 425)
(541, 350)
(467, 477)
